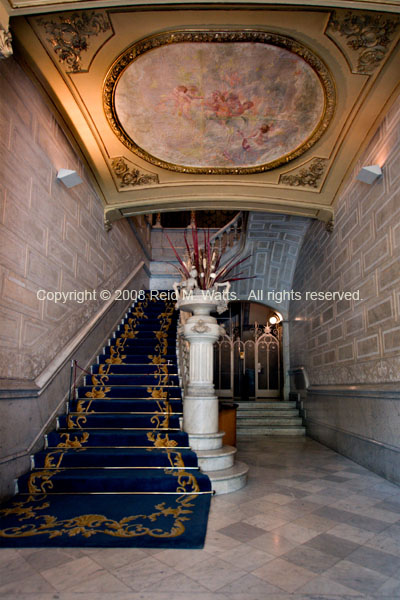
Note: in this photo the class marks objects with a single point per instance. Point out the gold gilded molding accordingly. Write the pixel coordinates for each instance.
(219, 37)
(69, 34)
(5, 43)
(130, 177)
(309, 176)
(368, 37)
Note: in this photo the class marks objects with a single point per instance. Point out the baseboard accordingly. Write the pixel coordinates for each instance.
(381, 458)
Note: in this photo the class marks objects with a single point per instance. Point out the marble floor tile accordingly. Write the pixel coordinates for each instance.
(247, 558)
(266, 521)
(145, 573)
(377, 560)
(391, 587)
(356, 577)
(272, 543)
(250, 584)
(283, 574)
(332, 545)
(315, 522)
(214, 573)
(35, 584)
(350, 533)
(310, 525)
(242, 531)
(386, 542)
(311, 559)
(295, 533)
(46, 558)
(181, 560)
(115, 558)
(322, 587)
(14, 568)
(82, 574)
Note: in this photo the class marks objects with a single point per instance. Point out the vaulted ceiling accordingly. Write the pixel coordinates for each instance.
(251, 106)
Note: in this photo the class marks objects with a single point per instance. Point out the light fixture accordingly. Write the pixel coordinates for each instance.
(370, 174)
(275, 318)
(69, 178)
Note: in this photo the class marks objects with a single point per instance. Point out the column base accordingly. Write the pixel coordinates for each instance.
(206, 441)
(229, 480)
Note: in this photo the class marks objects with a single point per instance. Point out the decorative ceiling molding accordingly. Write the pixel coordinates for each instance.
(69, 35)
(5, 43)
(20, 7)
(307, 176)
(130, 177)
(308, 185)
(365, 38)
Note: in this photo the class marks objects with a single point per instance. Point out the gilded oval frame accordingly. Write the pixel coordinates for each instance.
(218, 36)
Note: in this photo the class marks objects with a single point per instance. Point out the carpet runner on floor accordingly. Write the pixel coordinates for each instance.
(117, 471)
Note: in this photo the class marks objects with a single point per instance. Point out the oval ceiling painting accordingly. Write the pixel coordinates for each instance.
(218, 102)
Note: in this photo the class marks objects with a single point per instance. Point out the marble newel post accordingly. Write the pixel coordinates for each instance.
(200, 404)
(200, 410)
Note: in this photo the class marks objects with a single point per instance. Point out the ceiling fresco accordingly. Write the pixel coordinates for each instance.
(209, 107)
(212, 106)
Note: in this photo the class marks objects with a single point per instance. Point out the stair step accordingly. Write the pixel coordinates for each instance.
(229, 480)
(280, 404)
(272, 421)
(216, 459)
(89, 480)
(69, 458)
(267, 413)
(278, 430)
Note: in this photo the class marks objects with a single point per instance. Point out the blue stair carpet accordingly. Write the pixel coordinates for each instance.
(117, 471)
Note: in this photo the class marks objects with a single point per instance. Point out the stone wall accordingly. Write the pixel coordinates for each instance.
(273, 244)
(353, 346)
(53, 239)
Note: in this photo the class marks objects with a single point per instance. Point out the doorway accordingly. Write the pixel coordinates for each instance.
(248, 358)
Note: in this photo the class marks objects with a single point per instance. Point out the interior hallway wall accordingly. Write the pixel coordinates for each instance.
(350, 349)
(53, 239)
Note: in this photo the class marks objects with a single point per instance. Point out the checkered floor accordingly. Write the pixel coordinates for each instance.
(310, 524)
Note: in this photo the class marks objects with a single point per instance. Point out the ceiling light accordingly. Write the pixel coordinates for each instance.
(369, 174)
(69, 178)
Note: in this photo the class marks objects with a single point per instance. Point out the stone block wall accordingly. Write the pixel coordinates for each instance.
(52, 239)
(273, 243)
(350, 348)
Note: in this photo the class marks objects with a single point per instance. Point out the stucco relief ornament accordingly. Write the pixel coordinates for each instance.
(200, 327)
(131, 177)
(307, 176)
(69, 34)
(5, 44)
(368, 34)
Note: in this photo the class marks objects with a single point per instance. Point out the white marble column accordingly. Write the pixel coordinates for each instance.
(200, 407)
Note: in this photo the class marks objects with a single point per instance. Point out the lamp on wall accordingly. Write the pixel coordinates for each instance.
(69, 178)
(275, 318)
(370, 174)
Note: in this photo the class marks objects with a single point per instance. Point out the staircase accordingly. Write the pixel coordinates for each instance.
(269, 417)
(117, 471)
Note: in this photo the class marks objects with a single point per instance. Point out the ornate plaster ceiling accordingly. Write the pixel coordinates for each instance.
(219, 102)
(263, 109)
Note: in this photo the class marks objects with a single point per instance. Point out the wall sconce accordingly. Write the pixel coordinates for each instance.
(69, 178)
(274, 319)
(370, 174)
